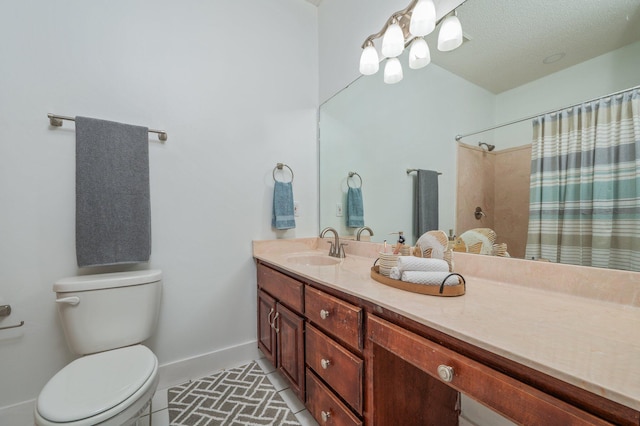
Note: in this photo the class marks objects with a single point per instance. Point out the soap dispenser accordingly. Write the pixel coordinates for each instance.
(400, 247)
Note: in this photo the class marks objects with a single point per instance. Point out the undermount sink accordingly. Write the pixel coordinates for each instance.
(314, 259)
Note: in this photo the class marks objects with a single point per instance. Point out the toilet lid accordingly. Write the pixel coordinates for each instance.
(95, 383)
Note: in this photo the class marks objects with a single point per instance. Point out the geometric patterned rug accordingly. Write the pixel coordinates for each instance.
(239, 396)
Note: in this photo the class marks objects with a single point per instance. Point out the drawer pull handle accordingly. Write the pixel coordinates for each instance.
(269, 318)
(326, 415)
(445, 372)
(324, 314)
(325, 363)
(275, 327)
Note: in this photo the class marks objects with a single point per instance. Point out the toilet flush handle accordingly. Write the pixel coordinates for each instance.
(73, 300)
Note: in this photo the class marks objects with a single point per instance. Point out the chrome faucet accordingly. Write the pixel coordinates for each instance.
(336, 249)
(364, 228)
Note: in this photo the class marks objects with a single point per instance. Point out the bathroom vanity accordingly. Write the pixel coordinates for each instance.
(563, 350)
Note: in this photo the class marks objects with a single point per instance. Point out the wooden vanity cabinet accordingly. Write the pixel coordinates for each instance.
(394, 350)
(281, 325)
(335, 367)
(402, 372)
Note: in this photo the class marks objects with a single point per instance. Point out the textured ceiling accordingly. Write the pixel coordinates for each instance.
(509, 39)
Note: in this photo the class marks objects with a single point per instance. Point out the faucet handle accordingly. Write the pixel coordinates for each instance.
(332, 249)
(341, 252)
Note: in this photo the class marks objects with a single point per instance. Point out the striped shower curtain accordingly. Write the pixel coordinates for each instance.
(585, 184)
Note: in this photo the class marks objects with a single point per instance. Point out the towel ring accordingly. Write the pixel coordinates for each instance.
(280, 166)
(351, 175)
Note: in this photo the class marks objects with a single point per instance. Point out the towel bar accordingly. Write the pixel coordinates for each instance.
(56, 120)
(280, 166)
(415, 170)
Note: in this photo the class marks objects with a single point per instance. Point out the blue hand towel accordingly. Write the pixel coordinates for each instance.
(113, 209)
(355, 208)
(283, 217)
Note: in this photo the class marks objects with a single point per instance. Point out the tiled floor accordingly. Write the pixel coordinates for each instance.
(160, 414)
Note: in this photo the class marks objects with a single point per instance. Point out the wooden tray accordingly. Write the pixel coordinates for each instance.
(432, 290)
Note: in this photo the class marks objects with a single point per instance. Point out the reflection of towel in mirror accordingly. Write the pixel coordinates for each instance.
(355, 208)
(425, 202)
(283, 216)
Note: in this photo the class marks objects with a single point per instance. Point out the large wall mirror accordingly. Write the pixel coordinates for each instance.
(519, 59)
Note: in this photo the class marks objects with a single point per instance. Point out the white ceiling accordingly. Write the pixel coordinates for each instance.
(510, 39)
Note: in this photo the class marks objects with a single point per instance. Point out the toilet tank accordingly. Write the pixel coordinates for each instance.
(107, 311)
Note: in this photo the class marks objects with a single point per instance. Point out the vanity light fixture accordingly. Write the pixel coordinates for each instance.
(392, 71)
(407, 27)
(450, 35)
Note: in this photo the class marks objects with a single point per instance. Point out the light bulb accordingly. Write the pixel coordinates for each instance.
(419, 55)
(392, 71)
(393, 40)
(423, 18)
(369, 62)
(450, 35)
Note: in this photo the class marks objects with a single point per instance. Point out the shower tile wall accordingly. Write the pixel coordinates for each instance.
(499, 183)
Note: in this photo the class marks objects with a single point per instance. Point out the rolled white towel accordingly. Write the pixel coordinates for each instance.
(429, 278)
(395, 274)
(412, 263)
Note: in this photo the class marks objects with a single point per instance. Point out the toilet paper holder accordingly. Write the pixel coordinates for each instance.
(5, 311)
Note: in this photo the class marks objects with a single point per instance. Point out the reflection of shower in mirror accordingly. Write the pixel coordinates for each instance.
(488, 145)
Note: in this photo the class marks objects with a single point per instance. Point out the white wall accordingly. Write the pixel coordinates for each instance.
(232, 110)
(343, 26)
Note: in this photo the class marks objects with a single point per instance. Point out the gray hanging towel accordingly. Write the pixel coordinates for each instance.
(425, 202)
(113, 211)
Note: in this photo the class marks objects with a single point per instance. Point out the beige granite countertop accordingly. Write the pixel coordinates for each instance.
(580, 325)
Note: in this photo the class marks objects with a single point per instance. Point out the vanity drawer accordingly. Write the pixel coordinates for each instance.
(336, 317)
(325, 407)
(285, 289)
(506, 395)
(338, 367)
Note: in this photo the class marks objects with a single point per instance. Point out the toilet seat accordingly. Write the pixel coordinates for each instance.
(98, 387)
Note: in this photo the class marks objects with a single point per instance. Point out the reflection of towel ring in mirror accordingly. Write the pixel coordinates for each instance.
(280, 166)
(351, 175)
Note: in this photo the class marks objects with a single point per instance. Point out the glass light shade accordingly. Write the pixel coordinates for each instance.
(423, 18)
(392, 71)
(393, 41)
(450, 35)
(419, 54)
(369, 62)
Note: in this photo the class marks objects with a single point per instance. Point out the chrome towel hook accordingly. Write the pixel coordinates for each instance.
(351, 176)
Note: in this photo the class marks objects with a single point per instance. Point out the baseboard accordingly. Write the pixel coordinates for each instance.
(20, 414)
(179, 372)
(171, 374)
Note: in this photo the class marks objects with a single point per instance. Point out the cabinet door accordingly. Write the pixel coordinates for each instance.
(266, 333)
(290, 353)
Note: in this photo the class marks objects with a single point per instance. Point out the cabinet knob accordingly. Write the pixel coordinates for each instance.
(326, 415)
(324, 314)
(445, 372)
(325, 363)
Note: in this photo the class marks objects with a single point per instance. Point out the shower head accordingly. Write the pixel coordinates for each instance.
(488, 145)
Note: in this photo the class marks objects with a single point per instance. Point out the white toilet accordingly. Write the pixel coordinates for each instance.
(105, 317)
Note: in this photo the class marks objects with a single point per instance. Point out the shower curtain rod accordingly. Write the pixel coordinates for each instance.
(458, 137)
